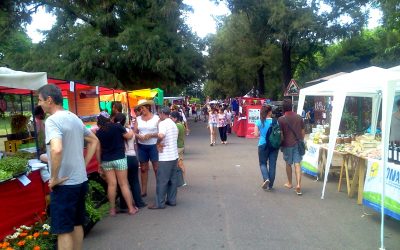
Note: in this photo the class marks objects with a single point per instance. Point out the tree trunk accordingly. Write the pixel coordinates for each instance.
(254, 89)
(261, 80)
(286, 65)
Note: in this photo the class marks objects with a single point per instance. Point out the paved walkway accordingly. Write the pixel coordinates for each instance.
(223, 207)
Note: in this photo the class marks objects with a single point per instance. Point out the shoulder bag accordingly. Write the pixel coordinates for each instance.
(300, 143)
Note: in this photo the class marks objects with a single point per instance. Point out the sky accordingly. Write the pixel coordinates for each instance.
(201, 20)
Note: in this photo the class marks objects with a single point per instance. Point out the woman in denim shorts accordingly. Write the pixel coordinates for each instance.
(146, 132)
(113, 161)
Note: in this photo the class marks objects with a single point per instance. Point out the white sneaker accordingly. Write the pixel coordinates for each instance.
(265, 184)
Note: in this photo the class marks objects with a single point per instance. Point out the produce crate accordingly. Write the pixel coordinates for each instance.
(12, 146)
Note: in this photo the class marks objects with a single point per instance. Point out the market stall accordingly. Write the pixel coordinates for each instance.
(20, 83)
(249, 113)
(22, 199)
(379, 84)
(84, 101)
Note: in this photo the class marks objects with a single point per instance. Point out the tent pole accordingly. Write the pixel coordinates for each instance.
(129, 107)
(20, 104)
(292, 103)
(98, 99)
(35, 128)
(75, 101)
(337, 110)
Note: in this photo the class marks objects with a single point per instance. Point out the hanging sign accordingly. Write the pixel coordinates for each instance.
(292, 89)
(71, 86)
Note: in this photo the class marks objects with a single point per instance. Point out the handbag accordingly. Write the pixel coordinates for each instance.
(179, 177)
(301, 146)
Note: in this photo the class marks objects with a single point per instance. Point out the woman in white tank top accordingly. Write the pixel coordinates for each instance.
(146, 132)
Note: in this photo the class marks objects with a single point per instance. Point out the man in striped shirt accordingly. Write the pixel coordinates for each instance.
(166, 179)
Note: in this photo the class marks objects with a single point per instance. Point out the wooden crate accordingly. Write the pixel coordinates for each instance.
(12, 146)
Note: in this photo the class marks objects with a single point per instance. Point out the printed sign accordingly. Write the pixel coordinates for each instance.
(373, 188)
(309, 164)
(254, 115)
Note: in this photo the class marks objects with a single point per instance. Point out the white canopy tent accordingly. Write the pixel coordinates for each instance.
(18, 82)
(379, 84)
(22, 80)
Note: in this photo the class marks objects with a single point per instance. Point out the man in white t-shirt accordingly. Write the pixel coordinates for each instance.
(166, 179)
(65, 136)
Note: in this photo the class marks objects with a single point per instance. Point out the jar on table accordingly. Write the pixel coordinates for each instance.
(347, 139)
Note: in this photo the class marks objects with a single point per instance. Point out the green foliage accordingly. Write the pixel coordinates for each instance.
(391, 13)
(350, 125)
(13, 13)
(131, 44)
(378, 47)
(15, 49)
(12, 166)
(263, 42)
(95, 211)
(36, 236)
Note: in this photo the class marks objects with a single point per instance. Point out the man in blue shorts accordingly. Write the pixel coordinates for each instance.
(65, 136)
(292, 127)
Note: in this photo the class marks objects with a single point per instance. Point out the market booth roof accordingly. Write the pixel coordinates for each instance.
(379, 84)
(18, 82)
(66, 86)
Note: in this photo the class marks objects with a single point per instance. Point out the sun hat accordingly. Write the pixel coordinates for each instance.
(144, 102)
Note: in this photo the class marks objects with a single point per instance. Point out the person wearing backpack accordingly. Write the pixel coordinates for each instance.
(267, 153)
(293, 132)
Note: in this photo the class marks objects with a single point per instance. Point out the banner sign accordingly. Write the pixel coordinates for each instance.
(309, 164)
(373, 188)
(254, 115)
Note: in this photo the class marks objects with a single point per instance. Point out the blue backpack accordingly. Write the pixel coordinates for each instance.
(274, 135)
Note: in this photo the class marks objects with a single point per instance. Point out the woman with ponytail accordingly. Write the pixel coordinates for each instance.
(266, 154)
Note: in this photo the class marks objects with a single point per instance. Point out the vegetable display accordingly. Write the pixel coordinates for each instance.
(11, 167)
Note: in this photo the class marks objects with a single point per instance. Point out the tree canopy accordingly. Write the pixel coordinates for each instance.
(129, 44)
(262, 44)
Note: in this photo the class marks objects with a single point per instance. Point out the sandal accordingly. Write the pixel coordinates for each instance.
(298, 191)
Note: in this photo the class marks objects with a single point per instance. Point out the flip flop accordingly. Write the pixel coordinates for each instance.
(298, 191)
(288, 186)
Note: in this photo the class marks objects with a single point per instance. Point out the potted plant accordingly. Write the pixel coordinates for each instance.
(19, 129)
(36, 236)
(96, 202)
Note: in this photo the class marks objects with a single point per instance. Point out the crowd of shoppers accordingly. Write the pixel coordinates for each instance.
(122, 148)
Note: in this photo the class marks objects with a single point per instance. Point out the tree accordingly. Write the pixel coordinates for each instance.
(391, 13)
(238, 62)
(130, 44)
(299, 27)
(377, 47)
